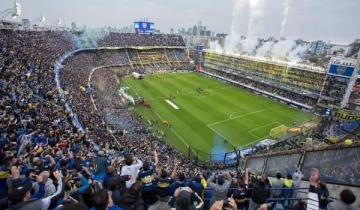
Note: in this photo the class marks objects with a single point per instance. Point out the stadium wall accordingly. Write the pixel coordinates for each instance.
(337, 167)
(341, 162)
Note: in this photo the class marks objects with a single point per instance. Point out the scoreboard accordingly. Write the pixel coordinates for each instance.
(144, 27)
(343, 67)
(341, 70)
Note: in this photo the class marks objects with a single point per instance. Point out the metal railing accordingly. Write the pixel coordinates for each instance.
(287, 202)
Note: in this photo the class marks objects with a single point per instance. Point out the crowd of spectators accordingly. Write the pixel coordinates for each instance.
(334, 90)
(154, 60)
(28, 57)
(267, 87)
(294, 77)
(47, 163)
(130, 40)
(354, 101)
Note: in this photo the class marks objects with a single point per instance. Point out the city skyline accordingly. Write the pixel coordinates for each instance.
(308, 20)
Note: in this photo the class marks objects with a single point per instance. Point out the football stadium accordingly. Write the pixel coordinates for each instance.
(135, 118)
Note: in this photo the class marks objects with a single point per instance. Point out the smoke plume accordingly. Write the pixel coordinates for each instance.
(89, 38)
(285, 18)
(256, 8)
(253, 45)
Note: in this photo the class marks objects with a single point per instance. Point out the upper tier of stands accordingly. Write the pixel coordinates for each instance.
(130, 40)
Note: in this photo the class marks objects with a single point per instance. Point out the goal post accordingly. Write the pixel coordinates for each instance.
(278, 132)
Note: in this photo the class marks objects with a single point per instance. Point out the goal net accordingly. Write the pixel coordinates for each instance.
(278, 132)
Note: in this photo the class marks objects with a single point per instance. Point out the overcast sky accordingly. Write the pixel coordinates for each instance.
(335, 20)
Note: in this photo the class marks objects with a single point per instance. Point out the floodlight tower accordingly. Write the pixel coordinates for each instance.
(40, 19)
(14, 11)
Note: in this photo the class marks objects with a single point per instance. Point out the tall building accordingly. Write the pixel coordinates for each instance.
(318, 47)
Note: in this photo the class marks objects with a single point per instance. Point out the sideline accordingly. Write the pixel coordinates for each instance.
(172, 130)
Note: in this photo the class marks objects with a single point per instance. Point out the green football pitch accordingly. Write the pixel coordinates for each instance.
(209, 116)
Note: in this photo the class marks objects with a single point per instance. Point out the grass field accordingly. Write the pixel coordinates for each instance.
(213, 119)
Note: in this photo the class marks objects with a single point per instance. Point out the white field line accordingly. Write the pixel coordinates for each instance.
(259, 138)
(218, 133)
(172, 130)
(172, 104)
(276, 122)
(240, 116)
(182, 140)
(234, 113)
(230, 115)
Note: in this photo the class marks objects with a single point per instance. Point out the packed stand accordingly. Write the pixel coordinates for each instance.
(159, 59)
(131, 40)
(305, 79)
(334, 90)
(28, 57)
(267, 87)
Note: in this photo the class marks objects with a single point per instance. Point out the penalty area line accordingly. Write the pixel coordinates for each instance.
(239, 116)
(262, 126)
(256, 136)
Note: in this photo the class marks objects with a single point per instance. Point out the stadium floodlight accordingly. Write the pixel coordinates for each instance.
(14, 12)
(18, 11)
(42, 18)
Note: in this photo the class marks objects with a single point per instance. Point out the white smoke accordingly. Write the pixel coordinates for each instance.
(215, 46)
(42, 18)
(265, 49)
(285, 18)
(59, 22)
(281, 49)
(124, 95)
(298, 53)
(284, 50)
(256, 8)
(89, 38)
(249, 45)
(237, 24)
